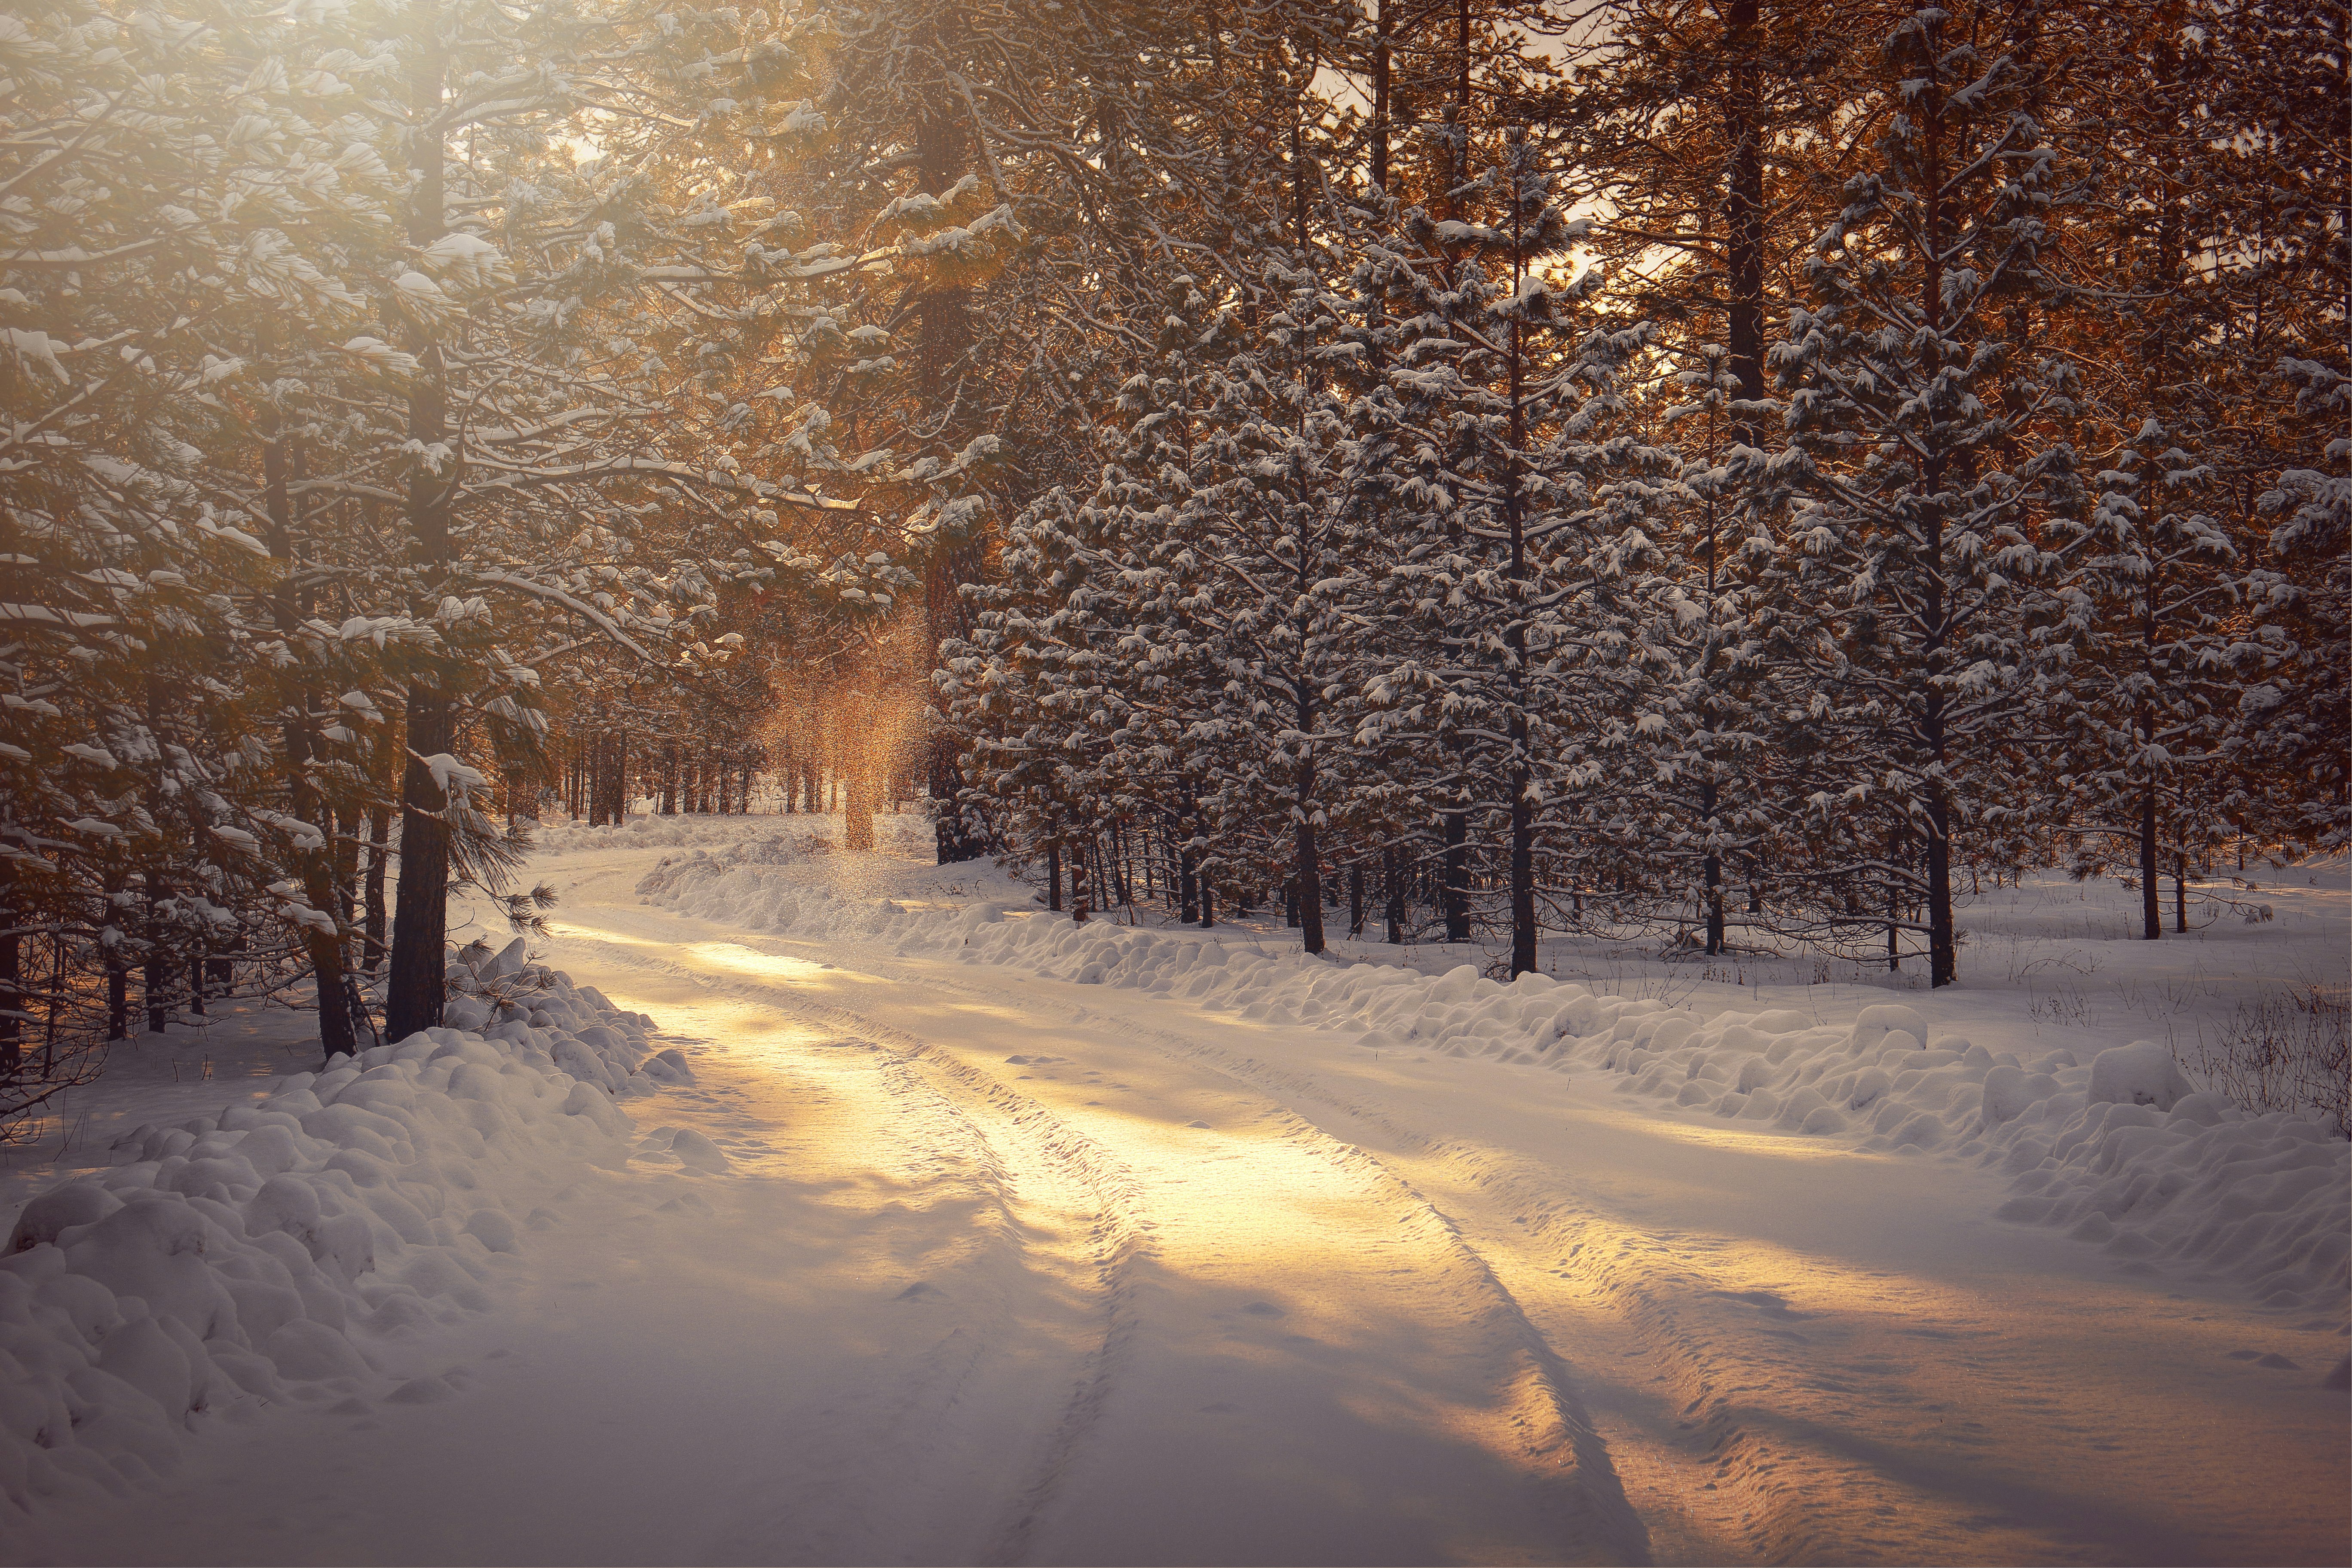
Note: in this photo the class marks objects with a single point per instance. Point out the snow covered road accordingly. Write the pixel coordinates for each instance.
(1004, 1268)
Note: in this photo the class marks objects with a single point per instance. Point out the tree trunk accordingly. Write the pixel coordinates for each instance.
(1456, 890)
(1744, 264)
(154, 988)
(2151, 903)
(1714, 873)
(1523, 860)
(1520, 773)
(1935, 609)
(1393, 886)
(313, 866)
(117, 984)
(12, 979)
(1307, 877)
(337, 1035)
(1457, 143)
(372, 948)
(414, 990)
(940, 144)
(1744, 212)
(1942, 941)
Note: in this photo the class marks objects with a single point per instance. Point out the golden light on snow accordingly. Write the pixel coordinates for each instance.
(1779, 1145)
(1775, 1341)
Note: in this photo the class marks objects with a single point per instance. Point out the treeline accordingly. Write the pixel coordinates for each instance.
(1662, 465)
(770, 730)
(1744, 474)
(804, 768)
(362, 428)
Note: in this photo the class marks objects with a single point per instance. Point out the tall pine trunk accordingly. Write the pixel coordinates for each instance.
(1392, 893)
(414, 990)
(1308, 877)
(947, 337)
(314, 866)
(1934, 611)
(379, 831)
(1744, 265)
(12, 977)
(1520, 773)
(1457, 865)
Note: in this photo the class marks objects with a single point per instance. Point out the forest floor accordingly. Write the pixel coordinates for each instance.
(1019, 1252)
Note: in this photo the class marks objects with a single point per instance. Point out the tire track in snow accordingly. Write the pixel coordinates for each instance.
(1761, 1488)
(1067, 1186)
(844, 1497)
(1553, 1430)
(1811, 1452)
(1767, 1518)
(1790, 1480)
(1769, 1491)
(1525, 1404)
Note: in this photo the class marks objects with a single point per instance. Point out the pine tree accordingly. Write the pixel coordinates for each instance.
(1924, 477)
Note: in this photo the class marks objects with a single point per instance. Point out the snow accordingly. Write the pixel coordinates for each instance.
(2141, 1073)
(285, 1251)
(921, 1224)
(2267, 1200)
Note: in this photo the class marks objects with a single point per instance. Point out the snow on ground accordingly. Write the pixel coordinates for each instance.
(977, 1236)
(295, 1246)
(2108, 1140)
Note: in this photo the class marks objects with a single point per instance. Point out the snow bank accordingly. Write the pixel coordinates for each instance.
(2119, 1152)
(279, 1252)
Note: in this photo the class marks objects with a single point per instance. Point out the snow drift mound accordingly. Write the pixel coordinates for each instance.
(275, 1252)
(2119, 1151)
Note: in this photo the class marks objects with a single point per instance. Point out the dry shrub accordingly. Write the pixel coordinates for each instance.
(2287, 1053)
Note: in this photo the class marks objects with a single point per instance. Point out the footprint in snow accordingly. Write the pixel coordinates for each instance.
(2269, 1358)
(921, 1291)
(1199, 1125)
(1265, 1309)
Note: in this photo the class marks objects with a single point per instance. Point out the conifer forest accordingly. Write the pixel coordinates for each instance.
(1735, 471)
(1723, 481)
